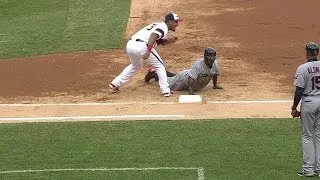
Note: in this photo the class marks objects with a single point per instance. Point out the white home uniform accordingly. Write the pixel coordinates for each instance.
(308, 77)
(199, 72)
(137, 47)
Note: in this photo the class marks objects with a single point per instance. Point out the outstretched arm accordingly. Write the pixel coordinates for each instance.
(167, 41)
(215, 82)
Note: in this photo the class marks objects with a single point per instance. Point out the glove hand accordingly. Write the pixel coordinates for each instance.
(295, 113)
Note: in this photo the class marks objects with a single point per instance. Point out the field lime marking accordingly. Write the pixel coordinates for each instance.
(66, 104)
(248, 102)
(200, 170)
(134, 102)
(89, 117)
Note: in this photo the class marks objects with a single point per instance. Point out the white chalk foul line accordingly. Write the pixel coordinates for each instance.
(90, 117)
(200, 170)
(248, 102)
(130, 103)
(67, 104)
(82, 104)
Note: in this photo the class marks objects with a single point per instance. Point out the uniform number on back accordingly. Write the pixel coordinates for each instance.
(315, 82)
(151, 26)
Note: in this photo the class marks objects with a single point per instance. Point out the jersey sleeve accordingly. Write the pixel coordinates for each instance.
(299, 79)
(161, 30)
(194, 71)
(215, 67)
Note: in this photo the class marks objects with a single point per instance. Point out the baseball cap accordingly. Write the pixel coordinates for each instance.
(312, 48)
(172, 16)
(210, 53)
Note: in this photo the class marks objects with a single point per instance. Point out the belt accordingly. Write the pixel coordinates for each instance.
(138, 40)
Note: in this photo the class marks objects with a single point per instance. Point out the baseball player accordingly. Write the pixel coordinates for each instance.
(201, 73)
(141, 47)
(307, 82)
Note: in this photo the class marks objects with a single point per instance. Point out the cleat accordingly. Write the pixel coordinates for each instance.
(114, 88)
(306, 174)
(166, 94)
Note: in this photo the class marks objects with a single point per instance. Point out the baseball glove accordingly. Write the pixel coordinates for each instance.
(295, 113)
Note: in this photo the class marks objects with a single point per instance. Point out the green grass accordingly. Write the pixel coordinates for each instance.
(227, 149)
(33, 27)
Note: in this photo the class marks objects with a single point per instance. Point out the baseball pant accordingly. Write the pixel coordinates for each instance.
(135, 56)
(310, 120)
(157, 63)
(135, 51)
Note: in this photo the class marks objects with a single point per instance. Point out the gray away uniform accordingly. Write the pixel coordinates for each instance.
(199, 72)
(308, 77)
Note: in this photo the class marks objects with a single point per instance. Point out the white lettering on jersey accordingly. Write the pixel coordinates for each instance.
(308, 77)
(313, 70)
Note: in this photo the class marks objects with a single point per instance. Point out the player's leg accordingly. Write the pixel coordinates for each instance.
(170, 74)
(177, 82)
(135, 58)
(157, 63)
(317, 135)
(308, 148)
(153, 75)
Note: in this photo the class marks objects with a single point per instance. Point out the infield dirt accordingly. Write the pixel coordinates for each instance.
(259, 45)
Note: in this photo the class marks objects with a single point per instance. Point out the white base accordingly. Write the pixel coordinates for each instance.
(190, 99)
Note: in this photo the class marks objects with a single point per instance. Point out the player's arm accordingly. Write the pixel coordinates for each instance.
(215, 82)
(297, 97)
(152, 39)
(190, 83)
(300, 84)
(215, 76)
(167, 41)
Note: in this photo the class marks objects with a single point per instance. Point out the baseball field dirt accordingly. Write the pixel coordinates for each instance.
(259, 46)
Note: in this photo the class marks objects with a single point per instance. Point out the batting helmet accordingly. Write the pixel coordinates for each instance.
(210, 53)
(312, 48)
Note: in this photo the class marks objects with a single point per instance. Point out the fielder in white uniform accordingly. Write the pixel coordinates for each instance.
(141, 47)
(307, 82)
(201, 73)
